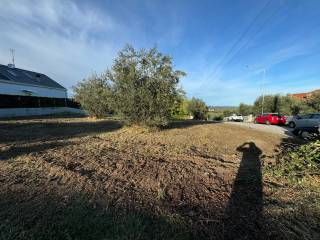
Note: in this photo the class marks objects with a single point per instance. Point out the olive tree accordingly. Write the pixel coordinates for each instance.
(245, 109)
(284, 104)
(314, 102)
(94, 95)
(145, 85)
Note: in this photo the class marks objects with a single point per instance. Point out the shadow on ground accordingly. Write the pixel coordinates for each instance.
(186, 124)
(53, 216)
(16, 151)
(243, 213)
(19, 131)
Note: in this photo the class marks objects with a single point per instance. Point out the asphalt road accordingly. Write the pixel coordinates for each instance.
(281, 130)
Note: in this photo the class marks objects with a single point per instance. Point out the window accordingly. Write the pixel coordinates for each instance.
(12, 101)
(306, 116)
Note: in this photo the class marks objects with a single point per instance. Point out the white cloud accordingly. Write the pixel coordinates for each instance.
(56, 38)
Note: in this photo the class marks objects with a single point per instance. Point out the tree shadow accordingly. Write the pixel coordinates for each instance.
(186, 124)
(15, 151)
(51, 129)
(56, 215)
(243, 214)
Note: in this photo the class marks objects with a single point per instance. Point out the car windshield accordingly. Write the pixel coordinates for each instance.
(276, 115)
(306, 116)
(316, 116)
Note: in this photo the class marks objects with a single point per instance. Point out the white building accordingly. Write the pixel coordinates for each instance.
(24, 92)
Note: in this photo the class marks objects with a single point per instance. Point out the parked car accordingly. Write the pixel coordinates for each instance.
(271, 118)
(308, 120)
(235, 118)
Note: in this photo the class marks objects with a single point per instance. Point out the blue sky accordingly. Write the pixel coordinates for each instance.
(223, 46)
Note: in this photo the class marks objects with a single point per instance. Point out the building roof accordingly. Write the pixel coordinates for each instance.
(299, 95)
(21, 76)
(304, 95)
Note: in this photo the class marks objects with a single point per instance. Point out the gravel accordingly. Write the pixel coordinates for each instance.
(275, 129)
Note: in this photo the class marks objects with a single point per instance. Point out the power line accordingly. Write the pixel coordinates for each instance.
(240, 38)
(252, 35)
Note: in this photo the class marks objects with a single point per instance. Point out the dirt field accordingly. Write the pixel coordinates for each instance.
(76, 178)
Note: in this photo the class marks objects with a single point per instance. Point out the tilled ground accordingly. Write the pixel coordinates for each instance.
(85, 179)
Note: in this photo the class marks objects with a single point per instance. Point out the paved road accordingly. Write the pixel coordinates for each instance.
(285, 131)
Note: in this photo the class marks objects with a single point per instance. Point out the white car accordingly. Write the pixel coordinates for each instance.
(235, 118)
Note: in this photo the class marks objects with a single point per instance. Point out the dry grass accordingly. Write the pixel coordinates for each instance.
(78, 178)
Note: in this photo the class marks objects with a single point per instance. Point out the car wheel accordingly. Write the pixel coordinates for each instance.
(268, 122)
(292, 125)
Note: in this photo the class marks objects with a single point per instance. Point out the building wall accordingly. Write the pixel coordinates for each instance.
(21, 112)
(18, 89)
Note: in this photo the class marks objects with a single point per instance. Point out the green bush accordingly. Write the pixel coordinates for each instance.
(300, 162)
(218, 118)
(198, 109)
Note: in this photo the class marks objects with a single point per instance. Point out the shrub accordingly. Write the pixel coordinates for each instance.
(144, 85)
(299, 162)
(198, 109)
(218, 118)
(94, 95)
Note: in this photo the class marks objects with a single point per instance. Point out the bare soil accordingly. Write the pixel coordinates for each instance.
(75, 178)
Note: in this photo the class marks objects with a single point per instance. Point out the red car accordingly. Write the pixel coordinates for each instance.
(271, 118)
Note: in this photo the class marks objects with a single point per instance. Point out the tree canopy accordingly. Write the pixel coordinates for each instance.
(95, 95)
(145, 85)
(285, 105)
(198, 108)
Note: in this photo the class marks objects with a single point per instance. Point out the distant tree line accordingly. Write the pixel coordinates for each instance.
(141, 86)
(285, 105)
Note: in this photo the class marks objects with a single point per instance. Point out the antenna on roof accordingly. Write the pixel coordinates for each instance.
(12, 65)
